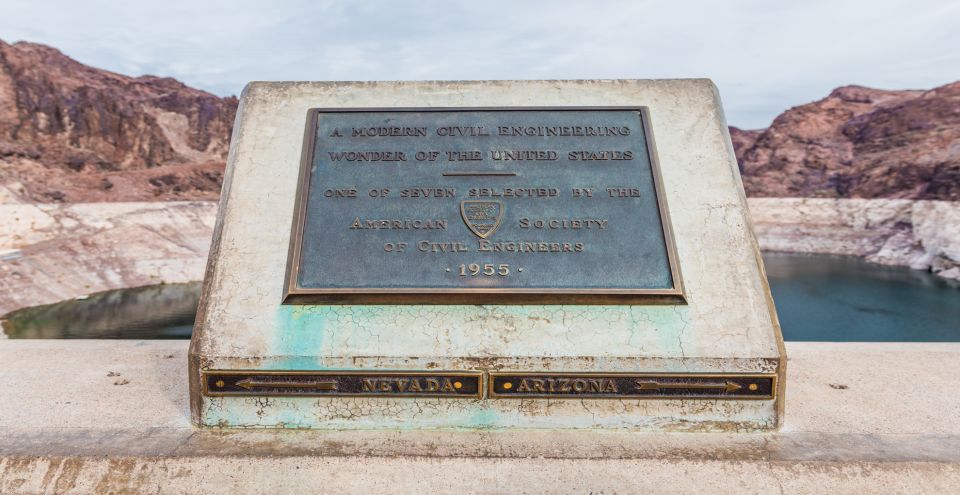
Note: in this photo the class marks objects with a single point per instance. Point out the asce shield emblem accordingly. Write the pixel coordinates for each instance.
(482, 217)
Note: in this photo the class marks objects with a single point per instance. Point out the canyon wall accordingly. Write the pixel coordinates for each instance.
(74, 133)
(858, 143)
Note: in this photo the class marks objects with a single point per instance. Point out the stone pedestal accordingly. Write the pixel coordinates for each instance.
(726, 325)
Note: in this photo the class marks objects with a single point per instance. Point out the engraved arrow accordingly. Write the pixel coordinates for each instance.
(249, 383)
(726, 387)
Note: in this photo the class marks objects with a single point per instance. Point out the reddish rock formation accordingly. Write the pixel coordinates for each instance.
(858, 143)
(69, 132)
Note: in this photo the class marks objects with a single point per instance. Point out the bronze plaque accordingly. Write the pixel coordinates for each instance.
(348, 383)
(631, 386)
(481, 205)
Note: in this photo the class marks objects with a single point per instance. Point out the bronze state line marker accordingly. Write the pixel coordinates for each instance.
(250, 383)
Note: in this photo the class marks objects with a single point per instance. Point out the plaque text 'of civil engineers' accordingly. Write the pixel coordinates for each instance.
(460, 206)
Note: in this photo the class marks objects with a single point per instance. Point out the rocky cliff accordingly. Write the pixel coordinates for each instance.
(72, 133)
(858, 143)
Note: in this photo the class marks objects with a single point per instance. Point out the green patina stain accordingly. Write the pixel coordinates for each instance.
(299, 338)
(482, 417)
(289, 418)
(305, 333)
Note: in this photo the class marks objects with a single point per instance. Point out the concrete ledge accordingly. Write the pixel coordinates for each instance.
(289, 475)
(113, 417)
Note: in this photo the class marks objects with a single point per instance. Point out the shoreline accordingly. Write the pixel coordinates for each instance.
(919, 234)
(56, 252)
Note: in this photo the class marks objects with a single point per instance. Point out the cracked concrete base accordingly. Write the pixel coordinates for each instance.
(728, 324)
(861, 419)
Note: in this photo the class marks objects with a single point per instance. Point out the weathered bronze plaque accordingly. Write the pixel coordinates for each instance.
(343, 383)
(480, 205)
(631, 386)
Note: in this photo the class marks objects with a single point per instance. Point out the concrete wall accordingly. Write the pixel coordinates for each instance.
(98, 417)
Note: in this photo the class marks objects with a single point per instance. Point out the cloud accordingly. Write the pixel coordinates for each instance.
(765, 56)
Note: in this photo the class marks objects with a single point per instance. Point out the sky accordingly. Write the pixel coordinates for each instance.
(764, 55)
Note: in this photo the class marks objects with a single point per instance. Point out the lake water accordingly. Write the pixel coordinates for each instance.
(845, 299)
(155, 312)
(819, 298)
